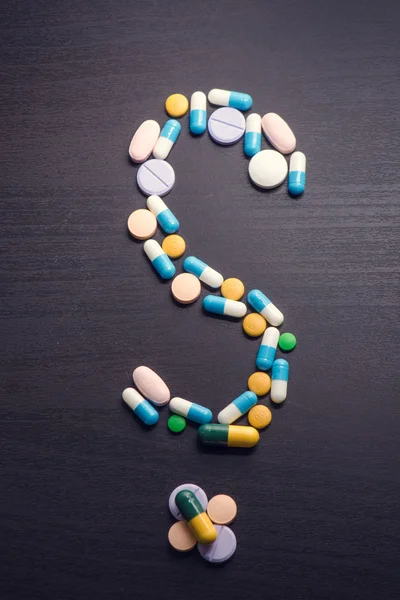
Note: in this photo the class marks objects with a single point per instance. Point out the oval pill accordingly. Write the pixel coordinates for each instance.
(278, 133)
(151, 385)
(166, 219)
(238, 407)
(233, 99)
(226, 126)
(267, 350)
(174, 246)
(259, 383)
(142, 224)
(168, 136)
(280, 377)
(264, 306)
(160, 261)
(297, 174)
(252, 136)
(232, 288)
(190, 410)
(222, 549)
(254, 324)
(176, 105)
(268, 169)
(155, 177)
(186, 288)
(206, 274)
(141, 407)
(197, 491)
(238, 436)
(222, 509)
(260, 416)
(198, 113)
(144, 140)
(197, 519)
(181, 537)
(223, 306)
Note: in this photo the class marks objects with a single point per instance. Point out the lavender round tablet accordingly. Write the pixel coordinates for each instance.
(155, 177)
(222, 549)
(226, 125)
(197, 491)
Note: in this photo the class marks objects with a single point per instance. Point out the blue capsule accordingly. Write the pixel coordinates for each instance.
(267, 350)
(141, 407)
(224, 306)
(160, 261)
(233, 99)
(297, 174)
(198, 113)
(166, 218)
(280, 378)
(252, 137)
(264, 306)
(206, 274)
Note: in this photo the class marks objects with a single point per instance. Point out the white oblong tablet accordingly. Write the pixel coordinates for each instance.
(144, 140)
(197, 491)
(268, 169)
(226, 125)
(151, 385)
(222, 549)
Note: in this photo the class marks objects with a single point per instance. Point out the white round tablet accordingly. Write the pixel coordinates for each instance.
(226, 125)
(197, 491)
(222, 549)
(268, 169)
(155, 177)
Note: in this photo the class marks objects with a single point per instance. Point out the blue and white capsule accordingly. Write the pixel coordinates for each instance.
(238, 407)
(297, 174)
(252, 137)
(233, 99)
(168, 136)
(198, 113)
(141, 407)
(264, 306)
(267, 350)
(280, 378)
(206, 274)
(223, 306)
(166, 218)
(191, 410)
(160, 261)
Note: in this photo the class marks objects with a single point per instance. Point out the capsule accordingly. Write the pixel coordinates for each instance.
(264, 306)
(197, 519)
(198, 113)
(223, 306)
(267, 350)
(166, 219)
(233, 99)
(160, 261)
(238, 436)
(168, 136)
(280, 378)
(191, 410)
(297, 174)
(206, 274)
(141, 407)
(252, 137)
(240, 406)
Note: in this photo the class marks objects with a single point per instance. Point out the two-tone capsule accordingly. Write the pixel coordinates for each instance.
(160, 261)
(191, 410)
(252, 137)
(264, 306)
(166, 218)
(233, 99)
(206, 274)
(224, 306)
(267, 350)
(197, 519)
(198, 113)
(238, 407)
(297, 174)
(239, 436)
(168, 136)
(141, 407)
(280, 378)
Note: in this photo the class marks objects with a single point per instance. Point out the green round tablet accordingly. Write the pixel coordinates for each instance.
(176, 423)
(287, 342)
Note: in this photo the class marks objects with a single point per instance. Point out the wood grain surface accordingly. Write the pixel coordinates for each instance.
(84, 487)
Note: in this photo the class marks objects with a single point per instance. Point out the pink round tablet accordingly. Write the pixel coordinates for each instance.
(144, 140)
(151, 385)
(278, 133)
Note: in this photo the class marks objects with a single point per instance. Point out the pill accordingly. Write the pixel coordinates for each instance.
(233, 99)
(267, 350)
(176, 105)
(232, 288)
(155, 177)
(186, 288)
(226, 126)
(260, 416)
(141, 407)
(280, 377)
(191, 410)
(254, 324)
(181, 537)
(222, 509)
(198, 113)
(278, 133)
(197, 519)
(142, 224)
(287, 342)
(252, 136)
(206, 274)
(268, 169)
(151, 385)
(159, 259)
(176, 423)
(238, 407)
(222, 549)
(238, 436)
(144, 140)
(297, 174)
(223, 306)
(197, 491)
(264, 306)
(259, 383)
(168, 136)
(166, 219)
(174, 246)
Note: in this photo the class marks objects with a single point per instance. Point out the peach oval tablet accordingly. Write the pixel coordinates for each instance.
(151, 385)
(222, 509)
(278, 133)
(181, 537)
(142, 224)
(186, 288)
(144, 140)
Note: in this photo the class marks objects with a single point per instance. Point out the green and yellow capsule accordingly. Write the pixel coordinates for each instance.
(198, 520)
(228, 435)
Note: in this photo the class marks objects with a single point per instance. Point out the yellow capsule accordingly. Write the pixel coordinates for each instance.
(174, 246)
(260, 416)
(232, 288)
(242, 436)
(176, 105)
(259, 383)
(203, 528)
(254, 324)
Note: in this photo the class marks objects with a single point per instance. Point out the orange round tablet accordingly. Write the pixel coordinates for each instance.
(176, 105)
(232, 288)
(222, 509)
(174, 245)
(181, 537)
(186, 288)
(259, 416)
(259, 383)
(254, 324)
(142, 224)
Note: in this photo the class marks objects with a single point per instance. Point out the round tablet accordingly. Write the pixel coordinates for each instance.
(181, 537)
(259, 383)
(259, 416)
(142, 224)
(222, 509)
(186, 288)
(197, 491)
(268, 169)
(174, 246)
(287, 342)
(155, 177)
(176, 105)
(226, 125)
(254, 324)
(223, 547)
(176, 423)
(232, 288)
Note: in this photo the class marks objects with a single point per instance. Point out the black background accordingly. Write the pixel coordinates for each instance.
(84, 487)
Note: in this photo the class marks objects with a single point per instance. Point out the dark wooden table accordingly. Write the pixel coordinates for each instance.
(84, 487)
